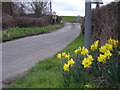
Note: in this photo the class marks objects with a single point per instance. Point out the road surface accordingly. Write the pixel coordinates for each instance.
(20, 55)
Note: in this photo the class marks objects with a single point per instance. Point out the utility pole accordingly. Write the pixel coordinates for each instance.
(87, 23)
(50, 7)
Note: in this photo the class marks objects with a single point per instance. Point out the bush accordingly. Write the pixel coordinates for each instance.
(24, 22)
(58, 20)
(105, 22)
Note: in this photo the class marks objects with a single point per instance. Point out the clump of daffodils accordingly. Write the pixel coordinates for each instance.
(105, 54)
(95, 61)
(68, 65)
(92, 59)
(113, 42)
(70, 61)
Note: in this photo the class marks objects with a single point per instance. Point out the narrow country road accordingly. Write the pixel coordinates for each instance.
(20, 55)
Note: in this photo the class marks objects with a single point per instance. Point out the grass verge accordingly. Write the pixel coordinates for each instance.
(15, 33)
(47, 73)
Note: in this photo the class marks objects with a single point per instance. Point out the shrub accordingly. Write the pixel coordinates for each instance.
(7, 21)
(58, 20)
(23, 22)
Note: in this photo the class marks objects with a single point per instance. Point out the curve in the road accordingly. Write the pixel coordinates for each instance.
(20, 55)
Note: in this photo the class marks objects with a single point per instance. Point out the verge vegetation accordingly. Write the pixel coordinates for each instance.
(15, 33)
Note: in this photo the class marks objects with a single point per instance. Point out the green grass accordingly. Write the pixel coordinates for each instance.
(47, 73)
(14, 33)
(69, 18)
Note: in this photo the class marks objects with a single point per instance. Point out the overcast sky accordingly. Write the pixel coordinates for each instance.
(72, 7)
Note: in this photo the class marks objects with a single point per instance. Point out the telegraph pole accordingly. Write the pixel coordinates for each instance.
(50, 7)
(87, 23)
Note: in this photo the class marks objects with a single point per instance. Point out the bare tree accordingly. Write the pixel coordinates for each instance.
(20, 8)
(39, 7)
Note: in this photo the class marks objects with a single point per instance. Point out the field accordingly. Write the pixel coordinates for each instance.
(69, 18)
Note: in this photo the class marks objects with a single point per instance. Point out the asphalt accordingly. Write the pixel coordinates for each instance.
(20, 55)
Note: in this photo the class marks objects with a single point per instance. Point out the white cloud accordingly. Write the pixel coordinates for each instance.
(72, 7)
(69, 7)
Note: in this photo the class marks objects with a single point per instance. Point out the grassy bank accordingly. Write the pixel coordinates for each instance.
(69, 18)
(47, 73)
(15, 33)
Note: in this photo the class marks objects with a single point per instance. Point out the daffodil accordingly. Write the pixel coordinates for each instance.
(76, 51)
(118, 52)
(88, 86)
(103, 49)
(67, 56)
(102, 58)
(59, 56)
(89, 57)
(86, 63)
(66, 67)
(108, 54)
(94, 46)
(71, 62)
(109, 47)
(110, 41)
(63, 54)
(113, 42)
(84, 51)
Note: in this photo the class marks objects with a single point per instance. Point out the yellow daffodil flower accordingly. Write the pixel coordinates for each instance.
(103, 49)
(110, 41)
(118, 52)
(94, 46)
(66, 67)
(77, 50)
(67, 56)
(86, 63)
(113, 42)
(63, 54)
(109, 47)
(71, 62)
(84, 51)
(90, 57)
(102, 58)
(88, 86)
(59, 56)
(108, 54)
